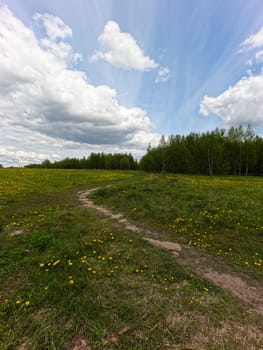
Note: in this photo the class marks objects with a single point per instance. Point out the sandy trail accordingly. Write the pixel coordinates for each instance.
(253, 295)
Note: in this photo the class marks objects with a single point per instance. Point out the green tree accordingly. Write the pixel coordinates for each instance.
(249, 149)
(125, 163)
(148, 162)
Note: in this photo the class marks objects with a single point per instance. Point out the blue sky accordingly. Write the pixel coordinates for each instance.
(155, 59)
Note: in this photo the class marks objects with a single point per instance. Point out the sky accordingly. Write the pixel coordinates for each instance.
(107, 76)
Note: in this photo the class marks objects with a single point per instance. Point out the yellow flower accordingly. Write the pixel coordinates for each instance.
(71, 282)
(41, 264)
(27, 303)
(18, 302)
(56, 262)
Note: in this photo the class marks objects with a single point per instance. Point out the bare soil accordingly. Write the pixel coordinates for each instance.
(79, 343)
(16, 233)
(188, 256)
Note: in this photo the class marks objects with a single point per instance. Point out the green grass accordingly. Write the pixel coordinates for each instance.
(73, 273)
(23, 189)
(223, 215)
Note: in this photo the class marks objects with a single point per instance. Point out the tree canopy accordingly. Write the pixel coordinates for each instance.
(237, 151)
(109, 161)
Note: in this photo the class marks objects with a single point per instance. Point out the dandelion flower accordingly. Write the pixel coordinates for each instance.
(56, 262)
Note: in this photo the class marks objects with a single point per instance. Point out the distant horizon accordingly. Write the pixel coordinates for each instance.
(241, 133)
(112, 76)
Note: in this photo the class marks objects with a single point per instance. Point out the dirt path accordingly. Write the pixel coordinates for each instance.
(188, 256)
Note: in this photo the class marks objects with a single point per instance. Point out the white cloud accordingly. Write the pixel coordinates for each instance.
(54, 26)
(121, 50)
(8, 154)
(259, 56)
(163, 75)
(254, 41)
(240, 104)
(61, 50)
(44, 104)
(57, 31)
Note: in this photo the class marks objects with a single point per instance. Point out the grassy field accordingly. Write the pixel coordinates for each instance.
(70, 276)
(223, 215)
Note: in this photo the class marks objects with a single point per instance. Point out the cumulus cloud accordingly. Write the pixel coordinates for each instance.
(240, 104)
(121, 50)
(61, 50)
(163, 75)
(57, 31)
(54, 26)
(40, 95)
(243, 102)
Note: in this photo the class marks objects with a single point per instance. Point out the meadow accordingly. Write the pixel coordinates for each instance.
(222, 215)
(71, 277)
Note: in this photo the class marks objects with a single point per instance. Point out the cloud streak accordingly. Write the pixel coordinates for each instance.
(254, 41)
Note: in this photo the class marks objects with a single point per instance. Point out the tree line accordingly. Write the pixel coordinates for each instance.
(122, 161)
(236, 151)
